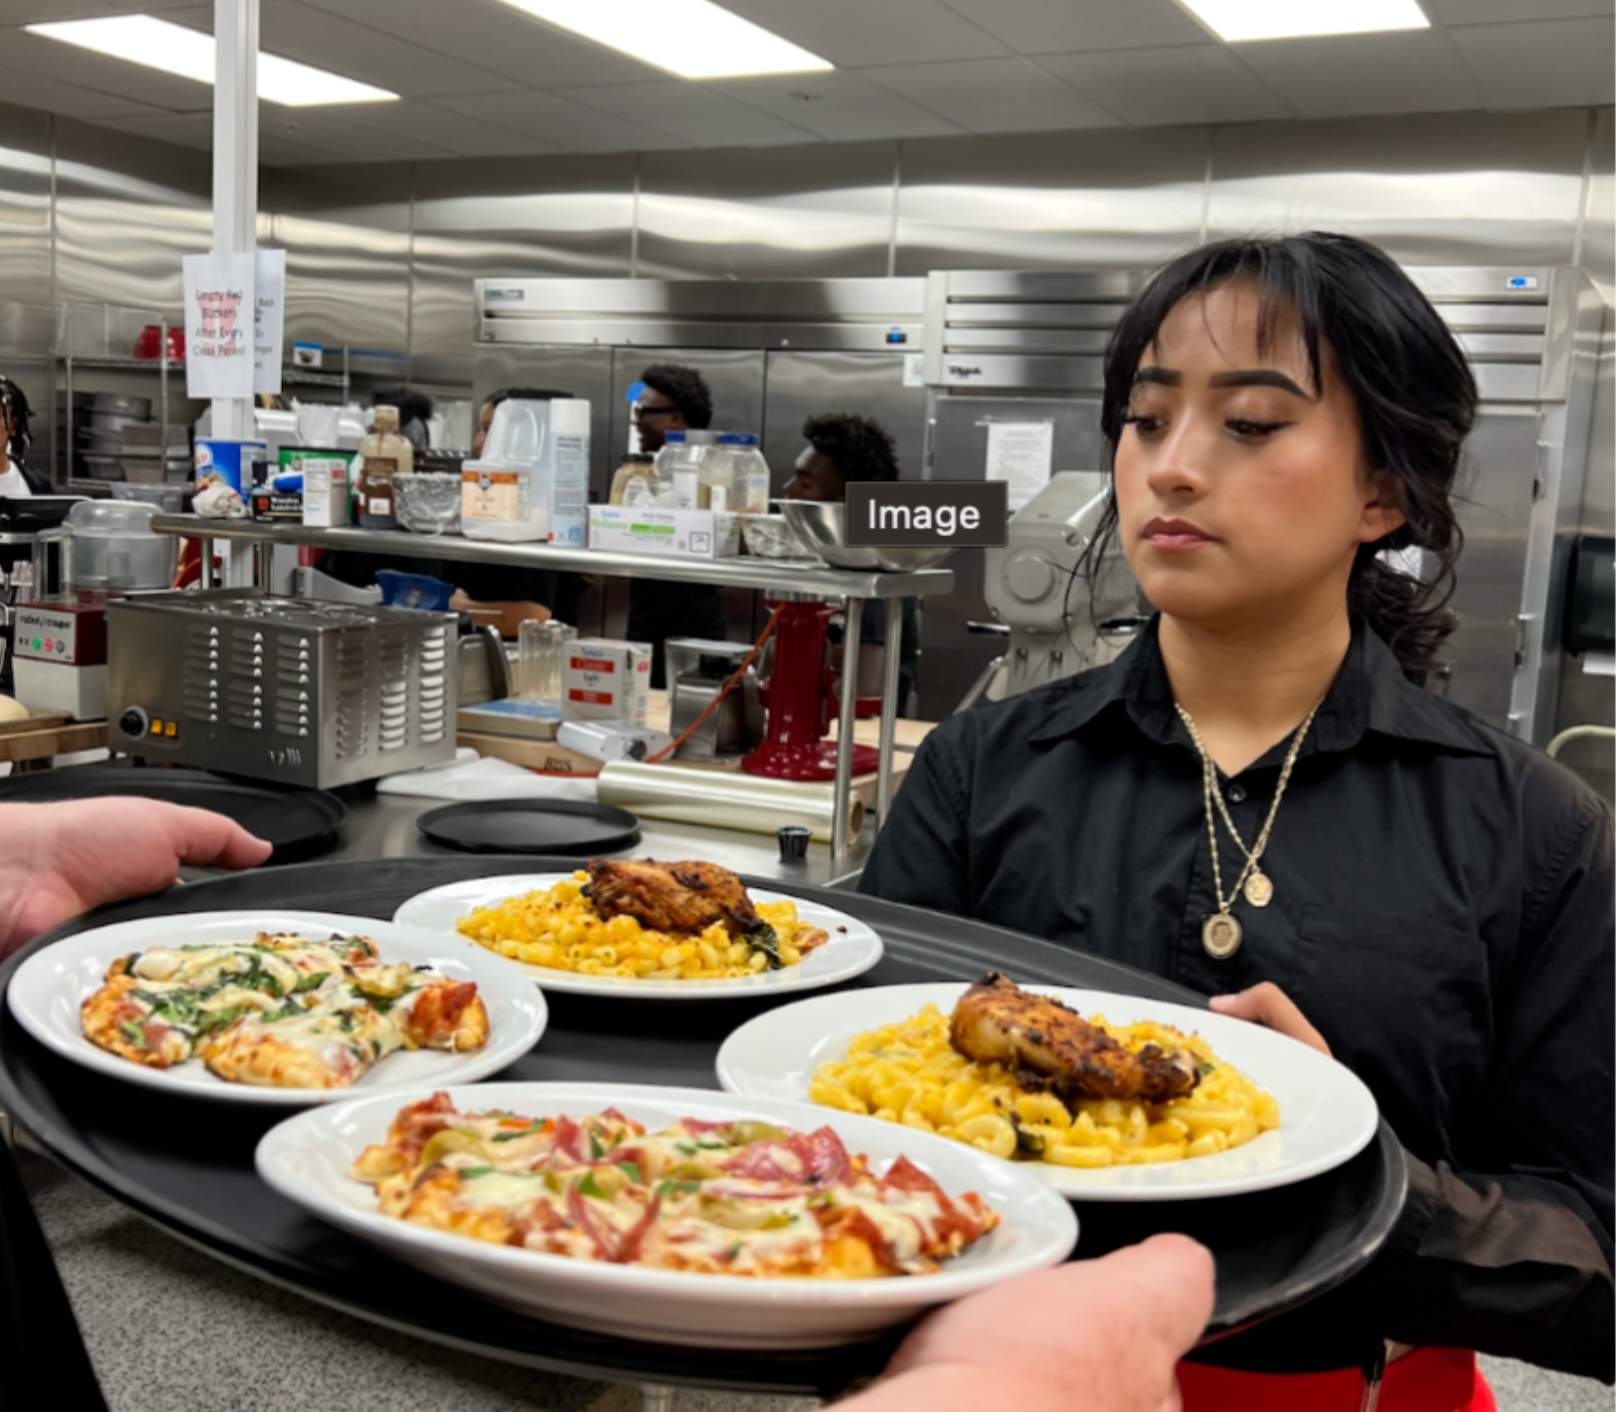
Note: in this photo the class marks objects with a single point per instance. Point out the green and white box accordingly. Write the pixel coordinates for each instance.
(679, 534)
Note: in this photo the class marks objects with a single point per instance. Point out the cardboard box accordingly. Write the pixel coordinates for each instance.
(326, 483)
(273, 505)
(606, 680)
(682, 534)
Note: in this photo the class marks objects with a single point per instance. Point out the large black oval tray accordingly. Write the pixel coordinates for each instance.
(300, 823)
(187, 1164)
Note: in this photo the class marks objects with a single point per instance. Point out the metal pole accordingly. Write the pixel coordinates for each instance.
(842, 806)
(889, 711)
(235, 167)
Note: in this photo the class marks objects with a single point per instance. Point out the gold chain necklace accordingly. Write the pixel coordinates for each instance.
(1221, 934)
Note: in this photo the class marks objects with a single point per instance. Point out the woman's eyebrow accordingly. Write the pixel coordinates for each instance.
(1165, 377)
(1259, 377)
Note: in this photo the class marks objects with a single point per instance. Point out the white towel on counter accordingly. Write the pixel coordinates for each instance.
(471, 777)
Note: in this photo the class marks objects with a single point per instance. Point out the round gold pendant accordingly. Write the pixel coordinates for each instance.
(1259, 888)
(1221, 936)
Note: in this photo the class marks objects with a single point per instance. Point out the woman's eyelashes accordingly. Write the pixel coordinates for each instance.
(1246, 428)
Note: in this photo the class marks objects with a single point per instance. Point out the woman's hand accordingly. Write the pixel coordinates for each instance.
(1091, 1336)
(58, 860)
(1267, 1004)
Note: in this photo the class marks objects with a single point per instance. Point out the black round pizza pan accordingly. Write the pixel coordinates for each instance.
(565, 827)
(301, 823)
(187, 1164)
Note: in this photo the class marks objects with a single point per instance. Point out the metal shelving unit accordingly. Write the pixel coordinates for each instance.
(781, 579)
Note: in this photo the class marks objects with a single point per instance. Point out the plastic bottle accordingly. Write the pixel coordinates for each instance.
(719, 473)
(387, 455)
(532, 481)
(684, 467)
(751, 473)
(634, 482)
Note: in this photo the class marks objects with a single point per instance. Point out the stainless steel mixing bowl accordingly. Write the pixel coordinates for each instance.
(821, 525)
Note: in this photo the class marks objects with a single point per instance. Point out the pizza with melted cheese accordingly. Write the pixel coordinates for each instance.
(279, 1011)
(742, 1198)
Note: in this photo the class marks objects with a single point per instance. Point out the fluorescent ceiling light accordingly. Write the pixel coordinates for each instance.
(1235, 20)
(692, 38)
(189, 53)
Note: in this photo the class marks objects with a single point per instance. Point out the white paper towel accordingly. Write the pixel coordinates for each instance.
(471, 777)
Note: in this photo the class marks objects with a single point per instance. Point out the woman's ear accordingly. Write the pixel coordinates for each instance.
(1382, 508)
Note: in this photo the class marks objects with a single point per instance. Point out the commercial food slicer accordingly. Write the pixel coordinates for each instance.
(1054, 625)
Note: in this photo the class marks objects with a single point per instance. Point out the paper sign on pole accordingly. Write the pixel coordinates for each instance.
(218, 325)
(270, 292)
(1020, 454)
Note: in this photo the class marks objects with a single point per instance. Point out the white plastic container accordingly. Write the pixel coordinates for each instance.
(679, 468)
(749, 474)
(532, 483)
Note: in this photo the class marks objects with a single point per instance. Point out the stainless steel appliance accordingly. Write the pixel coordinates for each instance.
(697, 671)
(104, 546)
(1051, 622)
(291, 690)
(1027, 347)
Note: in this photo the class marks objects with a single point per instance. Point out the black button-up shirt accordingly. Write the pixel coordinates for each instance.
(1442, 913)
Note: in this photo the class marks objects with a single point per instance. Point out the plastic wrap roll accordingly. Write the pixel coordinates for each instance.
(724, 800)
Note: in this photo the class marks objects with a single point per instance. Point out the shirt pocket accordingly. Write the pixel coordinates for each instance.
(1406, 1000)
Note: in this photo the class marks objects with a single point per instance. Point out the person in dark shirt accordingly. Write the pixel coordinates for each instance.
(843, 447)
(1422, 895)
(674, 399)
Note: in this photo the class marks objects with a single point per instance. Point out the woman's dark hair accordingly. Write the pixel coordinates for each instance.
(1415, 396)
(860, 447)
(18, 412)
(686, 389)
(524, 394)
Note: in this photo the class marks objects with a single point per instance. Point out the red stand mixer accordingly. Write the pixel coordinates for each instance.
(799, 698)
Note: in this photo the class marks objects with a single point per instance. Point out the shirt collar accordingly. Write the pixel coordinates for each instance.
(1370, 693)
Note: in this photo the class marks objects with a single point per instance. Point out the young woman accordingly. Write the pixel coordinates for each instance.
(1431, 899)
(17, 479)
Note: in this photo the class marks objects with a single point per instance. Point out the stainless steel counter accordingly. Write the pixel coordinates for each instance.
(383, 826)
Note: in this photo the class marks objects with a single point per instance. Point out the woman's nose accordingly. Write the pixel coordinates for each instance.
(1179, 465)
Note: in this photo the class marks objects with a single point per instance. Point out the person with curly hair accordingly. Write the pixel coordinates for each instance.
(17, 479)
(844, 447)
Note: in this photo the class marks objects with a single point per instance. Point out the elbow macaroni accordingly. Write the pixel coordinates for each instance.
(560, 928)
(909, 1073)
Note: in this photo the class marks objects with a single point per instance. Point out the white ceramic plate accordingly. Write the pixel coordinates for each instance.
(1326, 1115)
(852, 950)
(51, 985)
(306, 1159)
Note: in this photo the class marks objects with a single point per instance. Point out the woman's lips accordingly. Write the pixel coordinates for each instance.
(1175, 536)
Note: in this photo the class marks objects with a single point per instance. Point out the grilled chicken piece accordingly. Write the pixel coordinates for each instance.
(1054, 1047)
(674, 897)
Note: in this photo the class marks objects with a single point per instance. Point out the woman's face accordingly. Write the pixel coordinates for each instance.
(479, 438)
(1242, 491)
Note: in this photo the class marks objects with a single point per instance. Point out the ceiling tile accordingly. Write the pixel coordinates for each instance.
(186, 129)
(845, 107)
(1160, 87)
(1480, 12)
(28, 12)
(1548, 63)
(1350, 74)
(416, 122)
(858, 33)
(320, 127)
(496, 37)
(693, 112)
(314, 36)
(1069, 26)
(31, 90)
(53, 60)
(994, 95)
(567, 125)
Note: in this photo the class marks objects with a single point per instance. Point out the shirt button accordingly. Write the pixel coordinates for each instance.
(1237, 794)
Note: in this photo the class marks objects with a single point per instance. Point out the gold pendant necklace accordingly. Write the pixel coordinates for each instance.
(1221, 933)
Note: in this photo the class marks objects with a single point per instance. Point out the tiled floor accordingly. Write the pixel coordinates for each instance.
(162, 1320)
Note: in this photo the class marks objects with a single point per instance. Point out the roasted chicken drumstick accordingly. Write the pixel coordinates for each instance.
(1051, 1045)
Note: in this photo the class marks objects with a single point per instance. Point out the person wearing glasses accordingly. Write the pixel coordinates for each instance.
(673, 398)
